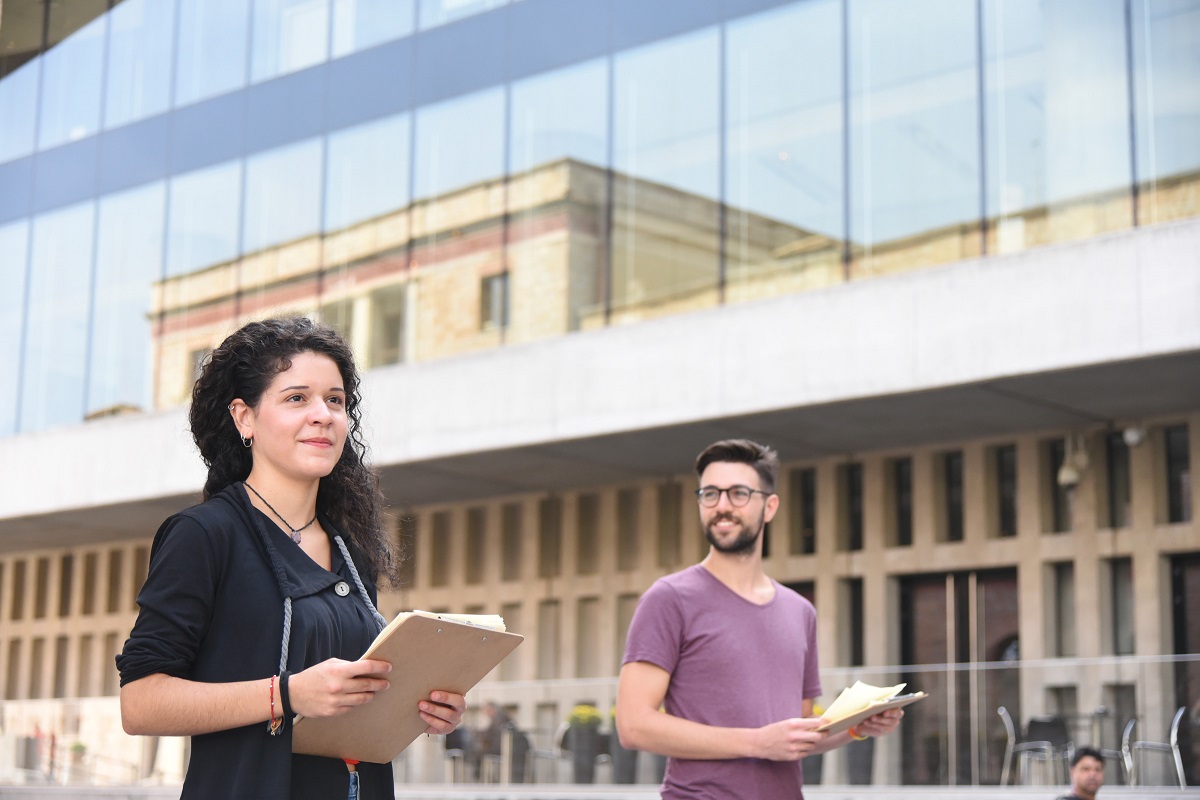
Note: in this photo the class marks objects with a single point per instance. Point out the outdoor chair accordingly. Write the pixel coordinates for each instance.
(1131, 749)
(1022, 749)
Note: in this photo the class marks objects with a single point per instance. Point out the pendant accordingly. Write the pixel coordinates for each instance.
(275, 726)
(295, 536)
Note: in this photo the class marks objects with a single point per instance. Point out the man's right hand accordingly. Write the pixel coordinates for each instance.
(790, 739)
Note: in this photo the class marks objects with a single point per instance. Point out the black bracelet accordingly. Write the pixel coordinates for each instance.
(284, 698)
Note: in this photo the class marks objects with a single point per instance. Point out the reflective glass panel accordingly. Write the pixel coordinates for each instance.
(56, 330)
(139, 60)
(211, 57)
(457, 219)
(1166, 47)
(439, 12)
(288, 35)
(665, 236)
(14, 244)
(368, 174)
(557, 198)
(283, 195)
(205, 207)
(18, 110)
(358, 24)
(914, 134)
(1057, 116)
(128, 268)
(784, 154)
(71, 83)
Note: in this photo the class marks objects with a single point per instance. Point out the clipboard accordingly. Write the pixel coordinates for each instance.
(427, 653)
(845, 723)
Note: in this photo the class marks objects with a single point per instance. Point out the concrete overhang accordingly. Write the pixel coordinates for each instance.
(1076, 336)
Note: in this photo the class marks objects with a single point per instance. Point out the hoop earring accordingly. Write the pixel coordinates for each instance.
(246, 442)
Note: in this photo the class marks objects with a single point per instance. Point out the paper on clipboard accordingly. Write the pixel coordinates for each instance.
(427, 652)
(860, 701)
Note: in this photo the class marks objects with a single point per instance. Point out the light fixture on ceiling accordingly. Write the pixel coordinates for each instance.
(1074, 463)
(1134, 435)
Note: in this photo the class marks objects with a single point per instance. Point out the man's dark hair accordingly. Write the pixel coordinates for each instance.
(742, 451)
(1085, 752)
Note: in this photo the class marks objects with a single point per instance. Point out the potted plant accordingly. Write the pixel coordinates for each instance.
(583, 740)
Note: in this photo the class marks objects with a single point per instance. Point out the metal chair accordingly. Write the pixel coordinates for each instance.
(1131, 749)
(1023, 749)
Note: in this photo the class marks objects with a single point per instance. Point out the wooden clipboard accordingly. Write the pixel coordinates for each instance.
(427, 653)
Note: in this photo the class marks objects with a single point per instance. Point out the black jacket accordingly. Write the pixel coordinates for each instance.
(211, 610)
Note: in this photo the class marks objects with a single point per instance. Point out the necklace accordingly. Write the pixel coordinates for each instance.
(294, 532)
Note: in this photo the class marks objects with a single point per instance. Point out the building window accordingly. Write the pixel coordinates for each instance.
(628, 534)
(511, 614)
(587, 642)
(899, 477)
(1062, 576)
(406, 535)
(668, 524)
(439, 549)
(83, 676)
(950, 468)
(116, 566)
(802, 514)
(548, 630)
(1005, 466)
(37, 660)
(587, 530)
(626, 605)
(1117, 487)
(110, 681)
(1059, 490)
(493, 302)
(17, 604)
(387, 326)
(141, 568)
(850, 502)
(510, 542)
(61, 643)
(550, 537)
(41, 588)
(475, 553)
(66, 576)
(1179, 474)
(1121, 605)
(91, 567)
(852, 624)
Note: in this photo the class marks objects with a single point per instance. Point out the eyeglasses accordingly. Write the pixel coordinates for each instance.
(738, 495)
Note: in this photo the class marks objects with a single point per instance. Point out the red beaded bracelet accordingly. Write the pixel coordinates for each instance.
(276, 723)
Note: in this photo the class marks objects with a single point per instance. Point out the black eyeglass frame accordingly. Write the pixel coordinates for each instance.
(728, 492)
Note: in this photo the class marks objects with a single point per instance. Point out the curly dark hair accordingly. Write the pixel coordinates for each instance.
(242, 367)
(742, 451)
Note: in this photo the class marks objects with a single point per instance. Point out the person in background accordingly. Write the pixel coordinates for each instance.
(260, 600)
(1087, 774)
(728, 654)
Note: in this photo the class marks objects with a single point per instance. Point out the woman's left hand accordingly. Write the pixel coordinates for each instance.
(443, 711)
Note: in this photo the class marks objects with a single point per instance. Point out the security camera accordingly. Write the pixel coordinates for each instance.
(1134, 435)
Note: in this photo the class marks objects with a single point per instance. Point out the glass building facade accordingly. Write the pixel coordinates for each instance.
(445, 178)
(441, 176)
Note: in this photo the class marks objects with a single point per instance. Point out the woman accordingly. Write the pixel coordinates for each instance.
(288, 539)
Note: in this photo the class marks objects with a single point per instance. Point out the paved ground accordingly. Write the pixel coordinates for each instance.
(573, 792)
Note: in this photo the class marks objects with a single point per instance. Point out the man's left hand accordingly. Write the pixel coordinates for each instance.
(881, 724)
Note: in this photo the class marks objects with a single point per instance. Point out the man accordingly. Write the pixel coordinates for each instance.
(728, 654)
(1087, 774)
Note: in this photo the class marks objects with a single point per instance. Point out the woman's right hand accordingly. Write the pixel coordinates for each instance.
(335, 686)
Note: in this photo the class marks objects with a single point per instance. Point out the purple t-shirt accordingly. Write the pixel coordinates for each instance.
(733, 664)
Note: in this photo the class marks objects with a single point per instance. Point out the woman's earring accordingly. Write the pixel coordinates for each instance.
(246, 442)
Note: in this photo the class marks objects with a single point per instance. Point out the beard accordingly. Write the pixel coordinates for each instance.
(746, 539)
